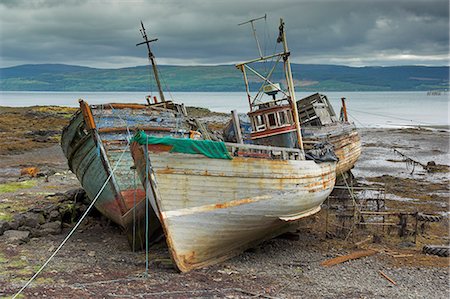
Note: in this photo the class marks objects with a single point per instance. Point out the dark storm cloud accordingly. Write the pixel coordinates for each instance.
(104, 33)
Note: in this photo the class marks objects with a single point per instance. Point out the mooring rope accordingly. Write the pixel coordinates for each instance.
(134, 210)
(392, 117)
(76, 225)
(126, 123)
(357, 120)
(146, 207)
(355, 204)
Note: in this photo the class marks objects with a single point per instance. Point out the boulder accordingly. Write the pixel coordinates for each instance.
(19, 219)
(32, 219)
(4, 226)
(52, 228)
(54, 215)
(16, 236)
(14, 225)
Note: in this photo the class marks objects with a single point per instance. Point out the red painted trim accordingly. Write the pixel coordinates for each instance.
(271, 132)
(132, 197)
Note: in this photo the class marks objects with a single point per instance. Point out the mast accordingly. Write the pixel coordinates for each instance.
(290, 82)
(151, 57)
(254, 31)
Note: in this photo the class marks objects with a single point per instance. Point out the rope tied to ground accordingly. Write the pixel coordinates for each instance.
(76, 225)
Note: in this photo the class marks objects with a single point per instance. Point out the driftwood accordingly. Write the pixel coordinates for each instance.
(369, 239)
(411, 161)
(387, 277)
(352, 256)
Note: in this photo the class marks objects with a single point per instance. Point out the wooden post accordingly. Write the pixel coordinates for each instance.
(415, 226)
(247, 90)
(344, 109)
(87, 114)
(237, 126)
(290, 83)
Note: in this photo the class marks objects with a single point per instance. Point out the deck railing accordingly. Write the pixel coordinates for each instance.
(262, 151)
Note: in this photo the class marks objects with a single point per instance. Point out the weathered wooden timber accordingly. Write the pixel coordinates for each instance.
(320, 124)
(342, 135)
(213, 209)
(276, 118)
(93, 142)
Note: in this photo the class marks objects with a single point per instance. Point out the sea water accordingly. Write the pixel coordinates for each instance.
(366, 109)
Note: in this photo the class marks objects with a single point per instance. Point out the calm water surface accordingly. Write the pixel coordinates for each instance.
(366, 109)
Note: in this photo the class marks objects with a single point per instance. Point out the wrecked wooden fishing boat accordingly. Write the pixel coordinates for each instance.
(227, 197)
(96, 146)
(317, 127)
(272, 122)
(216, 199)
(320, 124)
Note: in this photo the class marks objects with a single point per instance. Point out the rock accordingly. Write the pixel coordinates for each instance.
(54, 216)
(77, 194)
(19, 219)
(91, 253)
(52, 228)
(17, 236)
(14, 225)
(32, 219)
(4, 226)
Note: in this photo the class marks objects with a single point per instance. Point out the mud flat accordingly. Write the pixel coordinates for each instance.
(97, 261)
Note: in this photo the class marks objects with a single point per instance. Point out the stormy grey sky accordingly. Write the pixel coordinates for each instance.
(103, 33)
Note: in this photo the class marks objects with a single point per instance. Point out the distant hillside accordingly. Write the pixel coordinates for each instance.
(308, 77)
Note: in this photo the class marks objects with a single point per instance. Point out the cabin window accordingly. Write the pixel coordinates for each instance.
(253, 122)
(289, 116)
(271, 120)
(259, 123)
(282, 117)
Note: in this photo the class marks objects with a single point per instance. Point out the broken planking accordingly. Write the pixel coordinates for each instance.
(387, 277)
(352, 256)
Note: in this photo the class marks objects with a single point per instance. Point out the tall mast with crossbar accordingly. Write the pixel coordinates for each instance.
(151, 57)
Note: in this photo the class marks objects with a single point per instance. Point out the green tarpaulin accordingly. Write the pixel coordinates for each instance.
(208, 148)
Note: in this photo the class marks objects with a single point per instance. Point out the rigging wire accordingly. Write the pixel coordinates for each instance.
(151, 80)
(389, 116)
(146, 206)
(76, 225)
(113, 111)
(357, 120)
(266, 42)
(134, 209)
(165, 84)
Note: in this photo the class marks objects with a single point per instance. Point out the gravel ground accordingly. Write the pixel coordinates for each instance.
(97, 262)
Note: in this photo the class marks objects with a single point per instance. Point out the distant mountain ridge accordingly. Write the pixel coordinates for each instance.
(308, 77)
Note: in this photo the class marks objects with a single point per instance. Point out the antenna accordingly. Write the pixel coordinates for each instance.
(254, 31)
(151, 57)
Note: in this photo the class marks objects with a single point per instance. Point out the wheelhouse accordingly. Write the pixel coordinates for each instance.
(272, 120)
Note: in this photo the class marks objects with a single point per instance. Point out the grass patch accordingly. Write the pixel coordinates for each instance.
(14, 186)
(5, 217)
